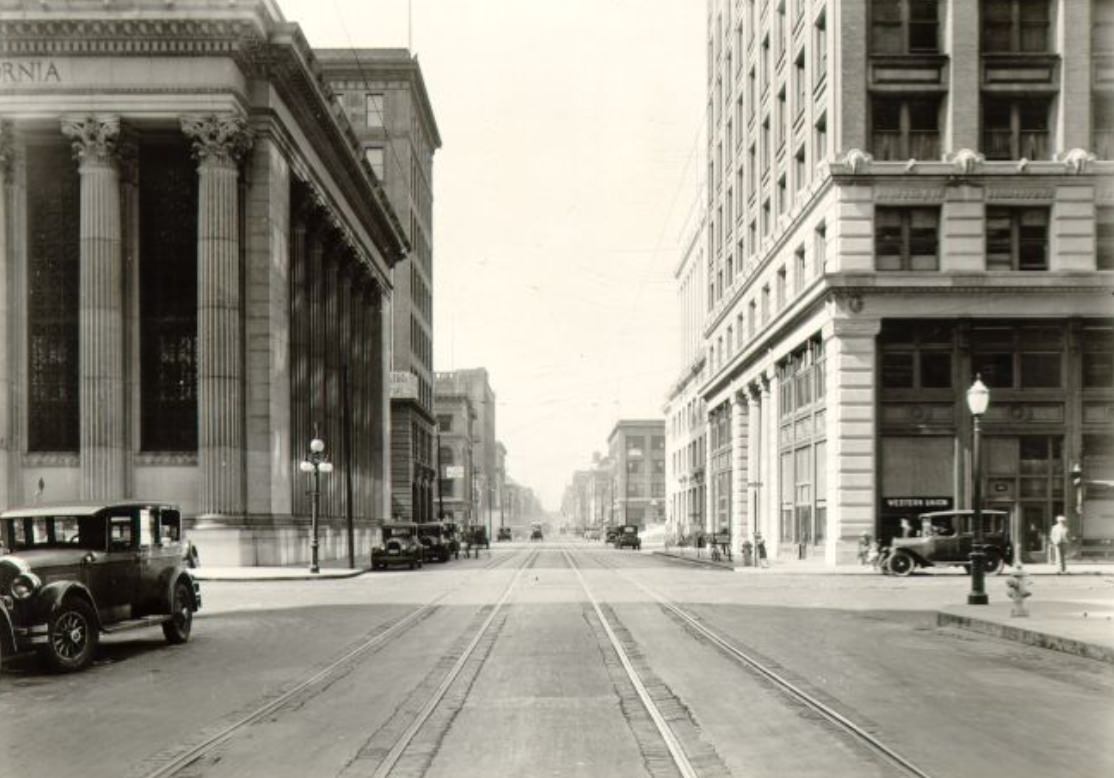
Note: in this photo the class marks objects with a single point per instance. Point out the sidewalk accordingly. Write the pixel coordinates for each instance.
(290, 573)
(1080, 628)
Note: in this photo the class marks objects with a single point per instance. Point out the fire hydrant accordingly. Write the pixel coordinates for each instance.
(1017, 589)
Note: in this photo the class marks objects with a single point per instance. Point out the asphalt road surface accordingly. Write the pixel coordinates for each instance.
(565, 659)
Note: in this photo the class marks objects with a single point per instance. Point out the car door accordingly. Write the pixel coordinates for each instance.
(112, 574)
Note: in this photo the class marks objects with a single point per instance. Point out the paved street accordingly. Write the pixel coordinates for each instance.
(569, 659)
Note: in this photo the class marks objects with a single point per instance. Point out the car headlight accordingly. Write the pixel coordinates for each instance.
(24, 585)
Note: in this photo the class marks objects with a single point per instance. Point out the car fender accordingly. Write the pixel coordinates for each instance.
(917, 558)
(49, 599)
(169, 578)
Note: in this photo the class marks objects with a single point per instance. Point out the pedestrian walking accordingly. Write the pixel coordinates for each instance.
(760, 547)
(1059, 538)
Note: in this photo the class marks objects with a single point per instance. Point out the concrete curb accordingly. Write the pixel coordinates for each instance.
(1030, 637)
(200, 575)
(699, 562)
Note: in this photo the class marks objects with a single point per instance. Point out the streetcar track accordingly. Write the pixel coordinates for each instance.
(676, 751)
(399, 750)
(177, 759)
(808, 704)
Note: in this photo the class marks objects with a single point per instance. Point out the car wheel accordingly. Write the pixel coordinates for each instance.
(71, 636)
(177, 629)
(901, 564)
(993, 564)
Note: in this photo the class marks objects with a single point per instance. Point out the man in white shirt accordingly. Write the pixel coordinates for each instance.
(1059, 539)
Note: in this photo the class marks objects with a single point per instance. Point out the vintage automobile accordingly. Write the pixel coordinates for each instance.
(475, 536)
(400, 547)
(628, 537)
(504, 533)
(536, 532)
(440, 541)
(71, 572)
(947, 539)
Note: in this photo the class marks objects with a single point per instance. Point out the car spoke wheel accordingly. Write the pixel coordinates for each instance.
(901, 564)
(177, 629)
(71, 636)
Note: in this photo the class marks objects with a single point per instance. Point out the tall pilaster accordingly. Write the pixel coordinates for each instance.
(7, 153)
(850, 354)
(753, 470)
(101, 315)
(739, 506)
(219, 142)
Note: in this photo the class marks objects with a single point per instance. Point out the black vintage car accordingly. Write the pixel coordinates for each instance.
(536, 532)
(504, 533)
(476, 536)
(70, 572)
(440, 541)
(400, 547)
(628, 537)
(946, 539)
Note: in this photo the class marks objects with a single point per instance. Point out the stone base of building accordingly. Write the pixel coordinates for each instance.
(276, 541)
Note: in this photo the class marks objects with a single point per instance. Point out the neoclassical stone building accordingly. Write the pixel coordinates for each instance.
(194, 273)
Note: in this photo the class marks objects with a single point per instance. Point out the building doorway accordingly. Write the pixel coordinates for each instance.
(1025, 476)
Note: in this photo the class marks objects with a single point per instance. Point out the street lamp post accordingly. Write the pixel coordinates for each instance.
(317, 463)
(978, 398)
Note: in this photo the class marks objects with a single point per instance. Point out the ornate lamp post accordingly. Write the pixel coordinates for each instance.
(317, 463)
(978, 398)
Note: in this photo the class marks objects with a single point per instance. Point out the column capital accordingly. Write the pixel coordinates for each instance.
(218, 139)
(97, 140)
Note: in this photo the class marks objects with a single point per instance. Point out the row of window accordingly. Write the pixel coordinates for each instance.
(692, 457)
(1016, 238)
(920, 355)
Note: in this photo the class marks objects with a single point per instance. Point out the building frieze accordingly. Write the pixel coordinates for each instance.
(42, 38)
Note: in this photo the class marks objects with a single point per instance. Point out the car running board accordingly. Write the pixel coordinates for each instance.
(145, 621)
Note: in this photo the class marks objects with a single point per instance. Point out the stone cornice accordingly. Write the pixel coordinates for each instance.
(987, 283)
(250, 32)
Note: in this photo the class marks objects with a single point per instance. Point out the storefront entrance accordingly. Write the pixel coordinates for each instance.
(1025, 476)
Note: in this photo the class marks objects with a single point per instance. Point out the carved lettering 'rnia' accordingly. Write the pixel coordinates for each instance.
(31, 71)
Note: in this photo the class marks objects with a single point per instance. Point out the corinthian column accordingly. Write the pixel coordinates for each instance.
(101, 333)
(219, 142)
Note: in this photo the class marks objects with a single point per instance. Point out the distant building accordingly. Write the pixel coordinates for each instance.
(903, 195)
(385, 99)
(474, 384)
(637, 449)
(196, 256)
(455, 455)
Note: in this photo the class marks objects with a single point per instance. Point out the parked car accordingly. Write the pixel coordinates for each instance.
(627, 537)
(439, 540)
(400, 547)
(71, 572)
(504, 533)
(950, 536)
(536, 532)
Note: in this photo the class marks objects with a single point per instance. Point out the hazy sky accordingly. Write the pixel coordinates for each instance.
(571, 159)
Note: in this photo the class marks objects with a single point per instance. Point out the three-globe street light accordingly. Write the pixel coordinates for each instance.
(317, 463)
(978, 398)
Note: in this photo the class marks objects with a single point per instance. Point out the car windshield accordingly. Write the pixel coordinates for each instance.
(22, 533)
(630, 530)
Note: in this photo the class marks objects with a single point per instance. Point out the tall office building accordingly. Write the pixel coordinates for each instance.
(685, 418)
(384, 96)
(903, 195)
